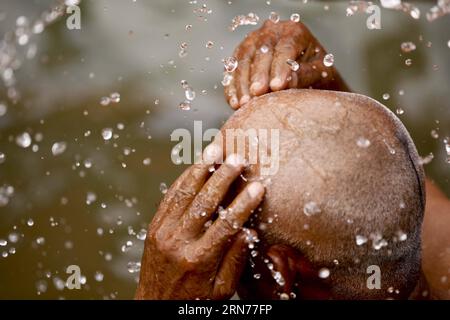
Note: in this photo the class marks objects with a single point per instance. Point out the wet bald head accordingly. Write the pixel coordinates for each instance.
(349, 189)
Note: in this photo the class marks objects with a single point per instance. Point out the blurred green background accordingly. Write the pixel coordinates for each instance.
(132, 47)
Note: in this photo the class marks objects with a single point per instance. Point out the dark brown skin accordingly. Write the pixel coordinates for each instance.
(183, 261)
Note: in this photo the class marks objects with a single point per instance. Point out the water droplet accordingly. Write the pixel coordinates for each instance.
(328, 60)
(257, 276)
(274, 17)
(147, 161)
(427, 159)
(142, 235)
(401, 236)
(295, 17)
(185, 106)
(58, 283)
(23, 140)
(407, 46)
(163, 188)
(399, 111)
(390, 3)
(278, 277)
(59, 148)
(408, 62)
(133, 267)
(98, 276)
(209, 44)
(2, 157)
(243, 20)
(264, 49)
(230, 64)
(189, 93)
(363, 142)
(447, 148)
(3, 109)
(227, 78)
(115, 97)
(386, 96)
(434, 134)
(324, 273)
(293, 64)
(311, 208)
(91, 197)
(284, 296)
(30, 222)
(107, 133)
(105, 101)
(360, 240)
(13, 237)
(3, 242)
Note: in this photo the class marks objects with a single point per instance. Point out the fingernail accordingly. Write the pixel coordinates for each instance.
(234, 102)
(275, 83)
(256, 86)
(212, 153)
(235, 160)
(244, 99)
(255, 189)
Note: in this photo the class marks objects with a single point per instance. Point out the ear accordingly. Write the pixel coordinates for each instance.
(284, 259)
(300, 276)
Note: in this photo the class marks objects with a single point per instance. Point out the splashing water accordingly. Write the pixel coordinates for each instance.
(274, 17)
(17, 45)
(295, 17)
(408, 46)
(59, 148)
(441, 9)
(363, 142)
(328, 60)
(230, 64)
(311, 208)
(244, 20)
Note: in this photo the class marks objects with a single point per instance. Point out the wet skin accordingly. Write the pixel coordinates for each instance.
(184, 260)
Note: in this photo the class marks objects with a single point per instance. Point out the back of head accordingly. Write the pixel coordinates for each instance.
(348, 192)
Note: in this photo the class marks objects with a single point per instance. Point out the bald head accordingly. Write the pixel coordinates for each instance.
(348, 191)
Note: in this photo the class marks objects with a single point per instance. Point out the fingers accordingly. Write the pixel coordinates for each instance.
(232, 266)
(231, 94)
(212, 194)
(285, 50)
(236, 215)
(261, 70)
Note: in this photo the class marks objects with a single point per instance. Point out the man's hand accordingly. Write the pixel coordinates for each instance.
(188, 254)
(263, 63)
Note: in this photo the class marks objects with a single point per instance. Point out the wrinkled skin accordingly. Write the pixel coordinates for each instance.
(260, 72)
(182, 260)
